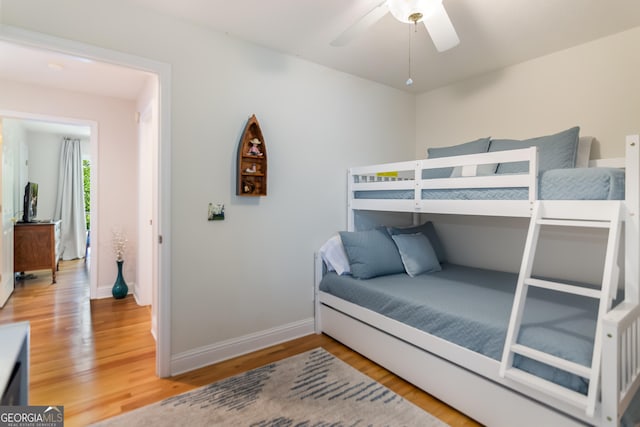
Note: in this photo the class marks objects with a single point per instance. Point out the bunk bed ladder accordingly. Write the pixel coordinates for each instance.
(598, 215)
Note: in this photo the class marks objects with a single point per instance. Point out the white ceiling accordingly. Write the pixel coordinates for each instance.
(493, 33)
(42, 126)
(52, 69)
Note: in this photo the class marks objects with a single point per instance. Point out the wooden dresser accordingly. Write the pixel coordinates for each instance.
(36, 246)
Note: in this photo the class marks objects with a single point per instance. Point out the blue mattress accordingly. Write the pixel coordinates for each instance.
(471, 307)
(556, 184)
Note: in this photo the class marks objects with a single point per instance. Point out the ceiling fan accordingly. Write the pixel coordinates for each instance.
(430, 12)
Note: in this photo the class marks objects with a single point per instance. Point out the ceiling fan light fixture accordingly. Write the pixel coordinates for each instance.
(411, 11)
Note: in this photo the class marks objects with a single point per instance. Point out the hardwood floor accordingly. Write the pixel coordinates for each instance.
(97, 358)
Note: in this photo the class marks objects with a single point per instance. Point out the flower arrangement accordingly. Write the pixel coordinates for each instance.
(119, 244)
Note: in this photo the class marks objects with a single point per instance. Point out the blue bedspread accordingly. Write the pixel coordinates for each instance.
(556, 184)
(471, 307)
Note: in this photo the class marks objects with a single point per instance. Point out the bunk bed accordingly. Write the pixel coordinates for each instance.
(495, 386)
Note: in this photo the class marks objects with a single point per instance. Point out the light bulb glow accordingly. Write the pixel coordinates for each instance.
(403, 9)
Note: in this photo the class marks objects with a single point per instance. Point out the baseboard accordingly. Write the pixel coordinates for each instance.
(208, 355)
(105, 291)
(137, 297)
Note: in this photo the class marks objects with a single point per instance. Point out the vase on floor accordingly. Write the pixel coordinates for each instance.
(120, 288)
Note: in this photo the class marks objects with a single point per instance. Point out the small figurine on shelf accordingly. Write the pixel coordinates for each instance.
(248, 187)
(254, 150)
(252, 169)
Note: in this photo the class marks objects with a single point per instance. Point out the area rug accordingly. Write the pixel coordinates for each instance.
(312, 389)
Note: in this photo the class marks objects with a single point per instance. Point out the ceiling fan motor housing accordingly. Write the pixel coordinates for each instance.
(411, 11)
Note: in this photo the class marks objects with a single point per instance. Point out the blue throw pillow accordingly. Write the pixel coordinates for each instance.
(556, 151)
(417, 254)
(429, 231)
(474, 147)
(371, 253)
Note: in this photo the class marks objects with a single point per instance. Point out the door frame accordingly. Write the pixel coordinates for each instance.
(145, 219)
(7, 281)
(162, 298)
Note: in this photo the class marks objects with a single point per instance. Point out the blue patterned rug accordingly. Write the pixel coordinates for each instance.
(312, 389)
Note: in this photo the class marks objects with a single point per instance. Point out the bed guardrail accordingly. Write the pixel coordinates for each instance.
(620, 360)
(408, 176)
(412, 170)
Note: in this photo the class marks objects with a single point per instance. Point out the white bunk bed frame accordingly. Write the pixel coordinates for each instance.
(463, 378)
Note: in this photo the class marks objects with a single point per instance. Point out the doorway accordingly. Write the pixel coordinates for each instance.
(40, 135)
(161, 268)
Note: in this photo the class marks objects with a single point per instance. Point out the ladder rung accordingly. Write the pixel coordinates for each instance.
(564, 287)
(575, 223)
(550, 359)
(567, 395)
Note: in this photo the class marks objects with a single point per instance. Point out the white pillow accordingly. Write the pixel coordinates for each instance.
(334, 256)
(584, 151)
(474, 170)
(466, 170)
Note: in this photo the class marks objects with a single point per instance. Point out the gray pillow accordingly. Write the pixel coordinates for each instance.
(474, 147)
(429, 231)
(371, 253)
(556, 151)
(417, 254)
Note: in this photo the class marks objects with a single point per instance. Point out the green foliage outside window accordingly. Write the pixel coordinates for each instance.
(86, 173)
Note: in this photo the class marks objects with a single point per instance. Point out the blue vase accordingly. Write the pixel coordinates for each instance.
(120, 288)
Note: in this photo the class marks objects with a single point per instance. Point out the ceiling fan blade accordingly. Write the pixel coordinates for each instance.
(441, 29)
(357, 28)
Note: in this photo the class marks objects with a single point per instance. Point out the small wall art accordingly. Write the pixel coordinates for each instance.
(216, 212)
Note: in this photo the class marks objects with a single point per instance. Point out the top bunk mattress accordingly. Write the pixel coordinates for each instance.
(555, 184)
(471, 307)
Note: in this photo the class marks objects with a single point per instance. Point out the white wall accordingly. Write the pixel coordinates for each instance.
(44, 167)
(595, 86)
(254, 271)
(117, 160)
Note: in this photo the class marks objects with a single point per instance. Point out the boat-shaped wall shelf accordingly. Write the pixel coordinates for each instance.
(252, 161)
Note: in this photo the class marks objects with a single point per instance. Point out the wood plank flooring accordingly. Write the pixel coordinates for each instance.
(97, 358)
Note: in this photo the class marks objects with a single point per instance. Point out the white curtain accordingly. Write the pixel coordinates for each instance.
(70, 201)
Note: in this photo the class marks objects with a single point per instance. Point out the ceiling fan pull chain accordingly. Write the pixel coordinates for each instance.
(409, 81)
